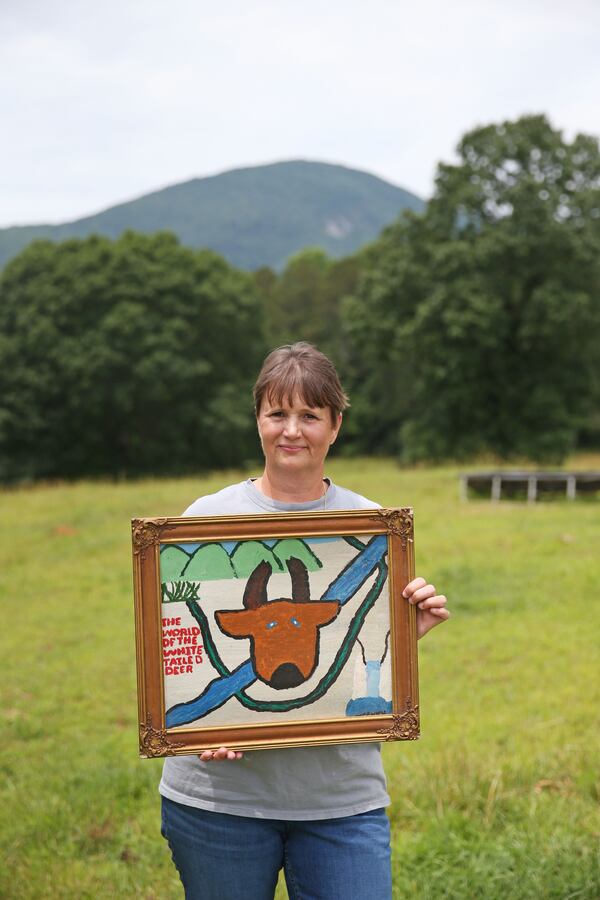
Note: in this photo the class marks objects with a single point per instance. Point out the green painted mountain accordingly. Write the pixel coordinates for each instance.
(173, 561)
(248, 554)
(211, 561)
(254, 216)
(288, 547)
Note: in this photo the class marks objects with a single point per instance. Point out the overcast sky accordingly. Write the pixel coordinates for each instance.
(103, 102)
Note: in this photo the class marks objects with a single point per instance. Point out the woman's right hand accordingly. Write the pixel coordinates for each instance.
(221, 753)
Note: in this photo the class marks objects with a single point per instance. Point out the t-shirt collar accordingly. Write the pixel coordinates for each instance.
(271, 505)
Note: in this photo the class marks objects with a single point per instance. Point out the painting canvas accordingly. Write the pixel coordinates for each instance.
(282, 636)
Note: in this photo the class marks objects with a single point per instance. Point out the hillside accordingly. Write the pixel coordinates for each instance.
(253, 216)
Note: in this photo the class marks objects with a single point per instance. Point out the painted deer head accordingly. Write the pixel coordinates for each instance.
(284, 634)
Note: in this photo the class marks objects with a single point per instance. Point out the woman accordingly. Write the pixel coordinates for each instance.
(318, 812)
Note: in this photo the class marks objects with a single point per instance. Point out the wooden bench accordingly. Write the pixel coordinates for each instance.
(531, 482)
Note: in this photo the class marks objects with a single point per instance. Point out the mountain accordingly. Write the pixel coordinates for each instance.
(254, 216)
(173, 561)
(209, 562)
(249, 554)
(289, 547)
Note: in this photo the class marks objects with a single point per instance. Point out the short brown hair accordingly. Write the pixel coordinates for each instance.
(301, 369)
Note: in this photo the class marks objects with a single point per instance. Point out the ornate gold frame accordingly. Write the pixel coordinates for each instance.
(155, 739)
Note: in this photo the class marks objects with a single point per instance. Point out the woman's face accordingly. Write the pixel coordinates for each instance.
(296, 437)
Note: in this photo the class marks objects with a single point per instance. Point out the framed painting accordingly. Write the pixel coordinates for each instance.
(280, 630)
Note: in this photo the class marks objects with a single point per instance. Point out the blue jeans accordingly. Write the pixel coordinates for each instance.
(224, 857)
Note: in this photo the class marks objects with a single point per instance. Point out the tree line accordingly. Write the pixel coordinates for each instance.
(471, 328)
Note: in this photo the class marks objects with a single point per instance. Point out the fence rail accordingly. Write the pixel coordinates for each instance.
(571, 482)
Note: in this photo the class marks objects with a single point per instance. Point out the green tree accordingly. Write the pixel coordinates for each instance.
(486, 309)
(123, 357)
(295, 301)
(304, 301)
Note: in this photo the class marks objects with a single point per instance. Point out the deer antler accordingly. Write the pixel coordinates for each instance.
(255, 593)
(300, 586)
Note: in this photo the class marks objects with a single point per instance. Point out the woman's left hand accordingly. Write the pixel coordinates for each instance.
(431, 607)
(220, 754)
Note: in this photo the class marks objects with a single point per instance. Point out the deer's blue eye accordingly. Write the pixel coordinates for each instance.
(271, 624)
(295, 621)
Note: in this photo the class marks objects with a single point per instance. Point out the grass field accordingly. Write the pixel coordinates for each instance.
(499, 798)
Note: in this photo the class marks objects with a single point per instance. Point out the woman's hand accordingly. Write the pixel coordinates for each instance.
(431, 607)
(221, 753)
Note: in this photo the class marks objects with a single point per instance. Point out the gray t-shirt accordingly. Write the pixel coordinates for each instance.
(295, 783)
